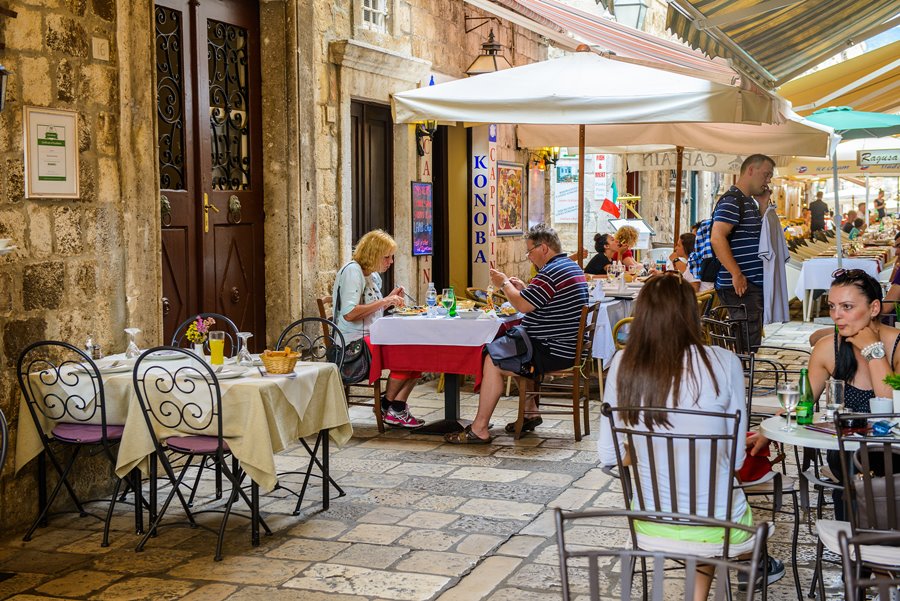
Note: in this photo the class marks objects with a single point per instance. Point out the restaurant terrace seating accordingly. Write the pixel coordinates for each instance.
(63, 390)
(879, 584)
(573, 384)
(372, 396)
(182, 410)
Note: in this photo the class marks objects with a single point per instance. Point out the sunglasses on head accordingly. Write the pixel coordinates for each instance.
(852, 274)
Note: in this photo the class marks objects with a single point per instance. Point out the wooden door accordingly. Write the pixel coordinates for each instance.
(210, 156)
(372, 135)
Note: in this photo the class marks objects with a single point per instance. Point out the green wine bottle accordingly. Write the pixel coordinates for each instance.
(807, 404)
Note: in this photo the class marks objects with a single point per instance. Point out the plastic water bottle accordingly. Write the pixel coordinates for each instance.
(431, 299)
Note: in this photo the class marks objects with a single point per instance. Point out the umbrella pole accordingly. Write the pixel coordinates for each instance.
(837, 207)
(580, 195)
(679, 153)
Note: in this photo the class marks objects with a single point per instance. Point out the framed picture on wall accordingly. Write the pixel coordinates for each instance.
(422, 218)
(51, 153)
(510, 198)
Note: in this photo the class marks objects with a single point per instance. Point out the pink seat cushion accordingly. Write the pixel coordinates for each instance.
(195, 444)
(86, 433)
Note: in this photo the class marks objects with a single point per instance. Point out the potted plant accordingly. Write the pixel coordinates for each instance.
(198, 332)
(893, 380)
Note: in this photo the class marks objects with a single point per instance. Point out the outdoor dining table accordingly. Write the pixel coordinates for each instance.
(451, 346)
(262, 414)
(615, 304)
(816, 274)
(801, 436)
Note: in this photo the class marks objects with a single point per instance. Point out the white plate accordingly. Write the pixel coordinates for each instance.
(227, 373)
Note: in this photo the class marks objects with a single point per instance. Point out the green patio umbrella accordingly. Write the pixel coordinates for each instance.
(852, 125)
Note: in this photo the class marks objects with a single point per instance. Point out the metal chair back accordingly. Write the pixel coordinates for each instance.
(734, 314)
(675, 467)
(178, 399)
(885, 585)
(722, 333)
(315, 338)
(723, 569)
(871, 473)
(179, 338)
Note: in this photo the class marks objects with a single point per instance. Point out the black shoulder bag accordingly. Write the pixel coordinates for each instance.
(710, 266)
(357, 358)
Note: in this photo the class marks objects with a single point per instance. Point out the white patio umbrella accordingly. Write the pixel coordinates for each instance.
(591, 94)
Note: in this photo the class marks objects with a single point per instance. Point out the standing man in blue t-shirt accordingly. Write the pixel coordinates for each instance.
(737, 223)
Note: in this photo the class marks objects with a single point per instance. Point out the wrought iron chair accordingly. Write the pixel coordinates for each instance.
(320, 340)
(222, 323)
(64, 393)
(884, 581)
(737, 315)
(722, 568)
(182, 410)
(721, 333)
(870, 497)
(367, 399)
(573, 384)
(664, 452)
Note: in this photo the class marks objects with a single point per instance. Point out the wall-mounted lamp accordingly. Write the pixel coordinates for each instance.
(424, 130)
(4, 77)
(491, 58)
(547, 155)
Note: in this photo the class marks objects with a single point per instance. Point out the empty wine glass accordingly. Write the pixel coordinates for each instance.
(132, 351)
(244, 357)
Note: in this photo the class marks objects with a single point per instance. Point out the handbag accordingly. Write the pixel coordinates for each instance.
(880, 499)
(512, 352)
(357, 359)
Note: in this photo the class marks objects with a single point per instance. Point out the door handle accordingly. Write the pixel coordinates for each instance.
(206, 208)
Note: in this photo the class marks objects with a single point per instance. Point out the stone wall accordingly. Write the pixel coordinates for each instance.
(80, 266)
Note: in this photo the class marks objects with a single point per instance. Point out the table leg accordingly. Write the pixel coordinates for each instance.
(451, 421)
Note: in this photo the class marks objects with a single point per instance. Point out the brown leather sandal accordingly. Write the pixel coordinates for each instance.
(466, 436)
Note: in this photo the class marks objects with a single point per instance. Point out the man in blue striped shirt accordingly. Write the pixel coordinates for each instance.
(552, 305)
(737, 223)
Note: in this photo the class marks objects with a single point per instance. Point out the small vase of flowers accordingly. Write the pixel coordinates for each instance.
(198, 331)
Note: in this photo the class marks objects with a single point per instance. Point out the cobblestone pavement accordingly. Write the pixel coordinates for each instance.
(420, 520)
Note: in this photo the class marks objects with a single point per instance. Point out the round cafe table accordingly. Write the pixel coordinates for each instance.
(802, 436)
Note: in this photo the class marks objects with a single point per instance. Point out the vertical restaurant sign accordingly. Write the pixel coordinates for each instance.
(484, 202)
(422, 219)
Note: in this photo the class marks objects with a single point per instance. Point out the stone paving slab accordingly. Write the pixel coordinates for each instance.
(421, 520)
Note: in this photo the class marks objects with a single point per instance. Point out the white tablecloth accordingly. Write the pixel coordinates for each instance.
(610, 313)
(437, 331)
(815, 274)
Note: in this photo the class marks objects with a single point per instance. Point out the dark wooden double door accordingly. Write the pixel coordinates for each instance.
(210, 161)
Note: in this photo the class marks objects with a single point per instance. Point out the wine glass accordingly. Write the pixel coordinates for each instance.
(244, 357)
(447, 299)
(132, 351)
(834, 398)
(788, 395)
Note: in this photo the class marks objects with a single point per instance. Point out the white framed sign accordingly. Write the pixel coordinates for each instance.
(51, 153)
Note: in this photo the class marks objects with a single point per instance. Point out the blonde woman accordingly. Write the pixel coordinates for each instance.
(626, 237)
(358, 302)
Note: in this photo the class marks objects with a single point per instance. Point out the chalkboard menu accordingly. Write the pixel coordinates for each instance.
(422, 218)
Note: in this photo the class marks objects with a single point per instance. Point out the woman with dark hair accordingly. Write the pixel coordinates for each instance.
(671, 367)
(856, 352)
(606, 247)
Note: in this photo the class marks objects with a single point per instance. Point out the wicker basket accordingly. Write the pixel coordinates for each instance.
(279, 364)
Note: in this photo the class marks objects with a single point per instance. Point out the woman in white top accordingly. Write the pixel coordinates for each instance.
(358, 302)
(666, 364)
(679, 262)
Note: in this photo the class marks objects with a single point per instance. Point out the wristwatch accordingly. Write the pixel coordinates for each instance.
(873, 351)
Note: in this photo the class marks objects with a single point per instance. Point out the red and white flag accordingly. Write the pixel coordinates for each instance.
(610, 207)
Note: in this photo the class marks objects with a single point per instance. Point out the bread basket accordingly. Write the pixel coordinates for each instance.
(279, 362)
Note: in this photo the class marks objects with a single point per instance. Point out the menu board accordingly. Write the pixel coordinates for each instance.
(422, 218)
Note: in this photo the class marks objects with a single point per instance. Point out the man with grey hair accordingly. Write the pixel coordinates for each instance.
(552, 305)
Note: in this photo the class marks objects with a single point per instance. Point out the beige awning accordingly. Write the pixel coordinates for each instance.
(777, 40)
(869, 82)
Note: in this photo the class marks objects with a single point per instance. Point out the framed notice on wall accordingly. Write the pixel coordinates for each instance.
(510, 198)
(422, 219)
(51, 153)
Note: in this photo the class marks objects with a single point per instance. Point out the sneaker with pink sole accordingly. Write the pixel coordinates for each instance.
(401, 419)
